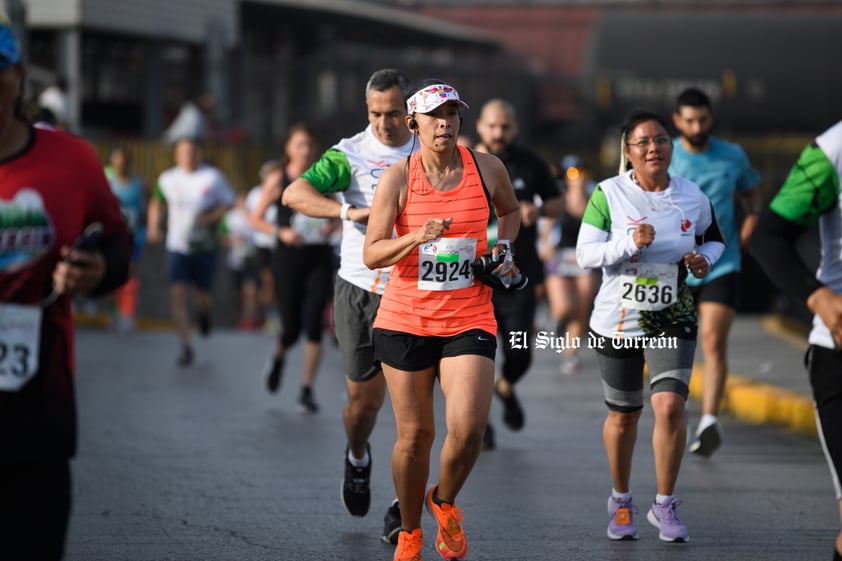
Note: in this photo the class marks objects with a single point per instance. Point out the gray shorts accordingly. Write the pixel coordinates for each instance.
(353, 314)
(622, 370)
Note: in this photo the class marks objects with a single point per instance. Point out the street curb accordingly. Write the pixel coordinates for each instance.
(760, 403)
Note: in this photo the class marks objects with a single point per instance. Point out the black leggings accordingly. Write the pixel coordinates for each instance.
(824, 366)
(515, 312)
(303, 283)
(34, 509)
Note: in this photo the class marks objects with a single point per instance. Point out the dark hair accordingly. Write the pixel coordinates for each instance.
(635, 118)
(44, 115)
(298, 127)
(639, 116)
(387, 78)
(692, 97)
(119, 146)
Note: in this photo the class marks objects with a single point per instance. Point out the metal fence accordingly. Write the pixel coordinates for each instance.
(239, 162)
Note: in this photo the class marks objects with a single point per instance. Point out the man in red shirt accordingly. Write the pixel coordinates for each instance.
(52, 189)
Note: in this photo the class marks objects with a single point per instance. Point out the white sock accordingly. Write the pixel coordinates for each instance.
(621, 497)
(358, 463)
(705, 422)
(661, 499)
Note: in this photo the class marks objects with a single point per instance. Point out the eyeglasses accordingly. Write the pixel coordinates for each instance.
(643, 143)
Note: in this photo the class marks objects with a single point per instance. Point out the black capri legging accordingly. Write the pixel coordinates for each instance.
(515, 312)
(824, 366)
(303, 283)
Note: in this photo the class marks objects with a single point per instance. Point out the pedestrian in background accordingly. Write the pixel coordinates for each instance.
(722, 171)
(647, 230)
(538, 195)
(302, 266)
(41, 267)
(350, 169)
(127, 186)
(265, 242)
(433, 321)
(570, 289)
(195, 119)
(810, 196)
(241, 260)
(54, 103)
(196, 196)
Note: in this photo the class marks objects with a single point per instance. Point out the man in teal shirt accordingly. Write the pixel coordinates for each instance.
(722, 170)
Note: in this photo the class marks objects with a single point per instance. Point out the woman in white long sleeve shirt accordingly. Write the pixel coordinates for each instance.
(647, 231)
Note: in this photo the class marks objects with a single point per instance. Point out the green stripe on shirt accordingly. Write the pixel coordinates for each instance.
(331, 173)
(597, 213)
(810, 189)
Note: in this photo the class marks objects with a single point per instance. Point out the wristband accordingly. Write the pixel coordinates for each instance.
(506, 243)
(343, 212)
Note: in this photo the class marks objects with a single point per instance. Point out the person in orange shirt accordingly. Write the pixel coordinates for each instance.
(435, 319)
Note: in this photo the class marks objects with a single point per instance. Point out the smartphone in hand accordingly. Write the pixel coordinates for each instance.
(88, 240)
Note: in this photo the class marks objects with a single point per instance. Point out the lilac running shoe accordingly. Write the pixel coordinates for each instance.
(665, 518)
(621, 519)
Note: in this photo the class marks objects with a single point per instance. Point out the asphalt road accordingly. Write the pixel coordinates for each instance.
(203, 464)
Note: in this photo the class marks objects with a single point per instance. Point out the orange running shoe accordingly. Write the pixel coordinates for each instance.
(450, 539)
(409, 545)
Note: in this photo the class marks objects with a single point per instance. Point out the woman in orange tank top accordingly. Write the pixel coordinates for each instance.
(434, 318)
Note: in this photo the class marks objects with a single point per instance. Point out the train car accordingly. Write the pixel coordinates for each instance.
(767, 73)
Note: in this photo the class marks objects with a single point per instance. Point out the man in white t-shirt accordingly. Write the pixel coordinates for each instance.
(350, 169)
(197, 196)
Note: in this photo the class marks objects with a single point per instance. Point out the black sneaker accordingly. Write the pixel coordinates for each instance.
(186, 357)
(392, 526)
(273, 370)
(488, 438)
(706, 442)
(306, 403)
(204, 324)
(512, 411)
(356, 493)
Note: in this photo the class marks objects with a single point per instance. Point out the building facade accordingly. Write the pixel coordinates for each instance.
(267, 64)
